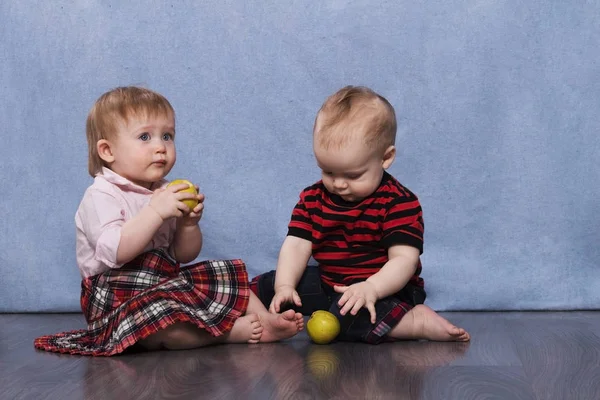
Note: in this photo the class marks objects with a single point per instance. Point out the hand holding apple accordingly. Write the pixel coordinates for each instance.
(191, 203)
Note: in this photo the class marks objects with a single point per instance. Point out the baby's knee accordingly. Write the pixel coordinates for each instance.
(176, 336)
(184, 335)
(154, 341)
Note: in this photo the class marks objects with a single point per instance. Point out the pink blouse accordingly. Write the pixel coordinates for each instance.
(106, 205)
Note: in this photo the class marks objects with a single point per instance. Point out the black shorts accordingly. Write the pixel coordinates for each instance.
(315, 295)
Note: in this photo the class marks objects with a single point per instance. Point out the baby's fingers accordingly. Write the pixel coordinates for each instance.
(176, 188)
(345, 297)
(182, 208)
(296, 298)
(371, 308)
(357, 306)
(341, 289)
(274, 307)
(349, 303)
(198, 209)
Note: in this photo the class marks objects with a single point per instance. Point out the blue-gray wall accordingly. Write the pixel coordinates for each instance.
(498, 130)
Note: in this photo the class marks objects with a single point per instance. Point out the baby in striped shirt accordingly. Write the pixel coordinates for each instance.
(362, 227)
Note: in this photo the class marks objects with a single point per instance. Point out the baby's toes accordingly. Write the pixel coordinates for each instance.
(256, 334)
(257, 327)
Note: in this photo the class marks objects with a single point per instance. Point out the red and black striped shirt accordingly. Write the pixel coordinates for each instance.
(350, 240)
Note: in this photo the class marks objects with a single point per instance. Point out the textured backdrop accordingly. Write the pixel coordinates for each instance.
(497, 104)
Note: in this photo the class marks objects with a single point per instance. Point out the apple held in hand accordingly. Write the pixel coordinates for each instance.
(322, 327)
(191, 203)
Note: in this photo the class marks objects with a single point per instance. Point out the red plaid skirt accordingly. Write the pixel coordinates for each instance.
(123, 306)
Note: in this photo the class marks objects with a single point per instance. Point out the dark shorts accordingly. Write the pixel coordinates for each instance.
(315, 295)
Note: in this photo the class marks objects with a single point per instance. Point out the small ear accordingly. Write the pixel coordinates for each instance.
(104, 151)
(388, 157)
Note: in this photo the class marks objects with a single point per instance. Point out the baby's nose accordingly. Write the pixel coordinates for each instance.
(339, 183)
(160, 147)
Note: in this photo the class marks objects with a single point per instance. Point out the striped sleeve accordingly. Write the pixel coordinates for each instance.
(301, 224)
(403, 224)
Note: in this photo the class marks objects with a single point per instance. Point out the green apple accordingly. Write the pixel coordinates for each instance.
(322, 327)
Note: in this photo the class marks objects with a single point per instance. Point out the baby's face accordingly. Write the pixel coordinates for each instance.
(144, 149)
(353, 171)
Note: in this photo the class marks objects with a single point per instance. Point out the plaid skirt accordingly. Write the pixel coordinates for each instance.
(123, 306)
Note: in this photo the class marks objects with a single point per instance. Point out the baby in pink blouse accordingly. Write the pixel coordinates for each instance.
(106, 206)
(132, 234)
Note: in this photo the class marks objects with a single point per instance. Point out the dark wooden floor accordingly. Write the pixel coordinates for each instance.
(511, 356)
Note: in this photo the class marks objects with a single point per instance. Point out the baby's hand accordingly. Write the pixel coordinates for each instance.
(167, 202)
(193, 217)
(283, 295)
(362, 294)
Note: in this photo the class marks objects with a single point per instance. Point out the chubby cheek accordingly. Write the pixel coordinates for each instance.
(362, 189)
(172, 156)
(327, 182)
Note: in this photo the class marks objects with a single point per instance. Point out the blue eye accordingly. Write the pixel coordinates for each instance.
(145, 137)
(167, 136)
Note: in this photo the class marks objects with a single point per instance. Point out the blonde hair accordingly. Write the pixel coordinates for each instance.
(115, 106)
(355, 110)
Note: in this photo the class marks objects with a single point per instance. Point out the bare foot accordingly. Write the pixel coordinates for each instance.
(423, 323)
(280, 326)
(246, 329)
